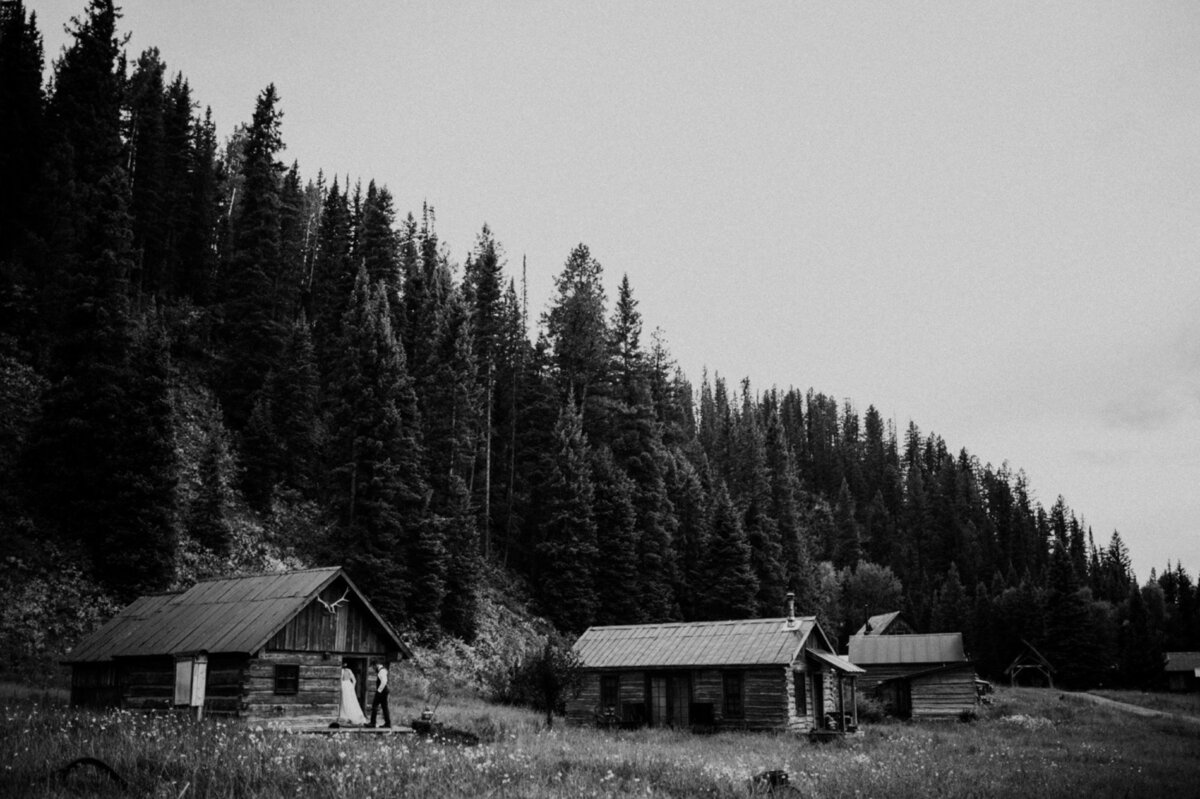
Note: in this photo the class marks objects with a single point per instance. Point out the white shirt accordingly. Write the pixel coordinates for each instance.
(379, 686)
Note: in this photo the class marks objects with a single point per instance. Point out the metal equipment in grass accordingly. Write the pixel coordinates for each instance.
(427, 726)
(773, 783)
(94, 763)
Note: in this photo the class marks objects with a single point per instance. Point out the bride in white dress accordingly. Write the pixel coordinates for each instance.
(350, 711)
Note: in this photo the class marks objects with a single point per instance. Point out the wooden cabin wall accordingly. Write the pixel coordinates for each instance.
(147, 683)
(708, 688)
(877, 673)
(319, 688)
(631, 689)
(943, 694)
(765, 699)
(581, 709)
(765, 696)
(95, 685)
(350, 629)
(223, 685)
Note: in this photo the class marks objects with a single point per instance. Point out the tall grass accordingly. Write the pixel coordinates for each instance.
(1028, 743)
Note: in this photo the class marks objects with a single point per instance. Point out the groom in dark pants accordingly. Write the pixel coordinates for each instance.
(381, 696)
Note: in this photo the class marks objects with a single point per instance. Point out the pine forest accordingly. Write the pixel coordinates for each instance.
(216, 363)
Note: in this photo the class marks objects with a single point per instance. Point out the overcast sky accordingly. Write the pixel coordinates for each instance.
(984, 218)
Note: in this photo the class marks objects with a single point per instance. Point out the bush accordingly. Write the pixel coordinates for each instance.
(870, 709)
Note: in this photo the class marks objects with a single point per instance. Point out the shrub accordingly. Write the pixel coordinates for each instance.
(870, 709)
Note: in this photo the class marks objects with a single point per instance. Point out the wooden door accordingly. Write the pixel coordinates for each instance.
(658, 701)
(670, 700)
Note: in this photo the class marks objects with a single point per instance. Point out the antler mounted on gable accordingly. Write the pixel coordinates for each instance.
(333, 606)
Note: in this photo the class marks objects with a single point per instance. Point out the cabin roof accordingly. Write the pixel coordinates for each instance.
(928, 648)
(747, 642)
(877, 625)
(231, 615)
(1183, 661)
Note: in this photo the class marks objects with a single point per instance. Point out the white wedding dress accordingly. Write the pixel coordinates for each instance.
(350, 711)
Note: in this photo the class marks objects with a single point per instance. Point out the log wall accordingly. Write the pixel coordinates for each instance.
(765, 696)
(319, 691)
(943, 694)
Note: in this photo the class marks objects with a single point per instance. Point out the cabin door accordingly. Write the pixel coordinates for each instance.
(670, 700)
(358, 666)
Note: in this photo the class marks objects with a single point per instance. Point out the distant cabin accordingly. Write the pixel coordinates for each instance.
(758, 674)
(916, 676)
(892, 623)
(262, 647)
(1183, 671)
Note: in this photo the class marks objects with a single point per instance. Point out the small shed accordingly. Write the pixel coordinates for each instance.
(260, 647)
(761, 674)
(1030, 667)
(1183, 671)
(917, 676)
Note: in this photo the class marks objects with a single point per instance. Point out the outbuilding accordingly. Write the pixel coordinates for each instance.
(759, 674)
(267, 646)
(1183, 671)
(917, 676)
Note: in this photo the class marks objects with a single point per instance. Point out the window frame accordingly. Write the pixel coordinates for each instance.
(287, 679)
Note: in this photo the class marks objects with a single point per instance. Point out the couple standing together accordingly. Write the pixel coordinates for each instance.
(351, 711)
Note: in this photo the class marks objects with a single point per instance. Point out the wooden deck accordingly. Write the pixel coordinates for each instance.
(319, 725)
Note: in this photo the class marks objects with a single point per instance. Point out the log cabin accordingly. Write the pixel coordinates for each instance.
(265, 647)
(1182, 670)
(916, 676)
(757, 674)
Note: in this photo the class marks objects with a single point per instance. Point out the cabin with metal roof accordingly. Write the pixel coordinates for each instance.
(261, 647)
(761, 674)
(916, 676)
(1183, 671)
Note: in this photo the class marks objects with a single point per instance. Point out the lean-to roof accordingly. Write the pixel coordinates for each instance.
(932, 648)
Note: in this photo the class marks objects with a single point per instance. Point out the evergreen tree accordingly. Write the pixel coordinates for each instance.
(618, 589)
(332, 281)
(22, 143)
(577, 333)
(255, 309)
(207, 522)
(730, 588)
(951, 606)
(849, 538)
(378, 489)
(567, 549)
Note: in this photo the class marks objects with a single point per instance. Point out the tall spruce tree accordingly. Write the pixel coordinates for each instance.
(731, 589)
(566, 563)
(255, 311)
(378, 488)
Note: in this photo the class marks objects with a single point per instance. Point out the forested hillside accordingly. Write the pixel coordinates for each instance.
(214, 362)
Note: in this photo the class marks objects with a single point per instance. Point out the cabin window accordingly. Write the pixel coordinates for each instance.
(735, 707)
(609, 686)
(287, 679)
(801, 693)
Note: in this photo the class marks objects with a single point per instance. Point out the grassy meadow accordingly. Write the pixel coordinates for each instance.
(1028, 743)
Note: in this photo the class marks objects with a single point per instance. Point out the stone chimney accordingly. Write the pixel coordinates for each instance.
(791, 610)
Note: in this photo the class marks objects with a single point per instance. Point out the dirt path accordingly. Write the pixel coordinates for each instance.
(1136, 710)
